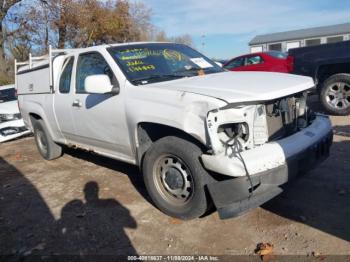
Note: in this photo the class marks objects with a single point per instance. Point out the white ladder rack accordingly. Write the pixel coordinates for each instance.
(49, 58)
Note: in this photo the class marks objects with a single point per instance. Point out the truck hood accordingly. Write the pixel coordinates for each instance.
(9, 107)
(237, 87)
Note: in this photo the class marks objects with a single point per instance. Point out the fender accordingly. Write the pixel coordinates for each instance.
(35, 107)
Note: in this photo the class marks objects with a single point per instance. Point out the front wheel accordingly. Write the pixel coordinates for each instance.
(335, 94)
(175, 178)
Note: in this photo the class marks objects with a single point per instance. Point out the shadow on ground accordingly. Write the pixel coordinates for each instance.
(27, 227)
(133, 172)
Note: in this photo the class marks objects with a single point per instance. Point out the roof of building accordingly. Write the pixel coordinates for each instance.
(301, 34)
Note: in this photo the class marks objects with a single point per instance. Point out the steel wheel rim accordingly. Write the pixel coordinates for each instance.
(338, 95)
(42, 143)
(173, 179)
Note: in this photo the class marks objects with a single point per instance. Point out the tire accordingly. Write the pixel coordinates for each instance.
(335, 94)
(175, 178)
(47, 148)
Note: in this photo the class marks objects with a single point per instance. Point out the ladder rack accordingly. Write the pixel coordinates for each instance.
(32, 59)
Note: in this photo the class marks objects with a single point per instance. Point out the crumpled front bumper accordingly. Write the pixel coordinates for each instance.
(12, 129)
(268, 166)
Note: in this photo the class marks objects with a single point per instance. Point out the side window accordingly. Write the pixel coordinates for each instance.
(91, 64)
(235, 63)
(253, 60)
(65, 79)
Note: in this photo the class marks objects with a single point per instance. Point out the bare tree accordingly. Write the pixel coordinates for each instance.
(5, 64)
(5, 6)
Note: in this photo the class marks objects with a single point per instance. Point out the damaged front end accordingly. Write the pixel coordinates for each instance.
(260, 146)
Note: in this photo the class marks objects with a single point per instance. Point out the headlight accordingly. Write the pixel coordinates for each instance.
(233, 131)
(9, 117)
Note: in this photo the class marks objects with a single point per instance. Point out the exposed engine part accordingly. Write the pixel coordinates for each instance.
(255, 125)
(283, 116)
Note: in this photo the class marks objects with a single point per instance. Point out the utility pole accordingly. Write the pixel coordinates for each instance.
(203, 42)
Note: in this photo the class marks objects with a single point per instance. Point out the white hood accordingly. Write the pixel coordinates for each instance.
(237, 87)
(9, 107)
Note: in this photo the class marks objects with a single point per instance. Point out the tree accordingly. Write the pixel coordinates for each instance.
(5, 64)
(160, 36)
(5, 6)
(81, 23)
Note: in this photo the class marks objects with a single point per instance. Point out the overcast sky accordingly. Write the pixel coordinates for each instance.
(228, 25)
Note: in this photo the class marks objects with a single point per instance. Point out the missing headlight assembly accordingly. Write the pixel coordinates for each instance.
(236, 128)
(229, 129)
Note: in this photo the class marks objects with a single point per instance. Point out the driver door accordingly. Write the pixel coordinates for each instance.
(100, 121)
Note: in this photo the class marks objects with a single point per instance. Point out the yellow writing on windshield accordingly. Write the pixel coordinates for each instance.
(139, 54)
(134, 63)
(133, 57)
(142, 68)
(172, 55)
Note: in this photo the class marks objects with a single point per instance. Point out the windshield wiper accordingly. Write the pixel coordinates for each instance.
(195, 70)
(152, 77)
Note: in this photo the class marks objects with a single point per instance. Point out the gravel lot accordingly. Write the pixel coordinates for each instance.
(83, 204)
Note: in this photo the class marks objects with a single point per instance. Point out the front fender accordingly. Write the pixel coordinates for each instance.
(184, 111)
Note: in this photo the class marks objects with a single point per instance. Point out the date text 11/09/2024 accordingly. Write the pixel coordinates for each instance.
(173, 258)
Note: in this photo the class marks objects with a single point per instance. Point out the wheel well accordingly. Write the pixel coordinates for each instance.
(148, 133)
(34, 117)
(325, 71)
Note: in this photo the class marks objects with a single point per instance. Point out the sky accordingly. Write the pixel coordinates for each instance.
(226, 26)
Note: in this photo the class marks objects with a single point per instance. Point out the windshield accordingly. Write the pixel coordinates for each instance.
(7, 95)
(147, 63)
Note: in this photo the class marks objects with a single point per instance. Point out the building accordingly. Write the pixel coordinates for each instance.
(283, 41)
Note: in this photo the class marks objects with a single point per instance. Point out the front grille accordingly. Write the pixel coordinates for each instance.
(7, 131)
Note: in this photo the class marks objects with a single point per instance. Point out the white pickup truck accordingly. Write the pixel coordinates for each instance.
(199, 134)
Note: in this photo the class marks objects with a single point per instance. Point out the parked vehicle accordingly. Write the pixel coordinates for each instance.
(271, 61)
(329, 66)
(11, 122)
(197, 132)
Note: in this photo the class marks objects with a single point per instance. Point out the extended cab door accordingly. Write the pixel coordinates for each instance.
(62, 96)
(100, 121)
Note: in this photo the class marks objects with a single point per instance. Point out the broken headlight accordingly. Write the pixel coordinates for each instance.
(234, 133)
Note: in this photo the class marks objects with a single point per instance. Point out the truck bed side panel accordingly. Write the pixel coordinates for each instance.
(34, 81)
(41, 105)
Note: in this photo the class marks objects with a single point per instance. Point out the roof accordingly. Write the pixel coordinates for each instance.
(301, 34)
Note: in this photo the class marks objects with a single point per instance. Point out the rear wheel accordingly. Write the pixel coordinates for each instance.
(335, 94)
(175, 178)
(48, 149)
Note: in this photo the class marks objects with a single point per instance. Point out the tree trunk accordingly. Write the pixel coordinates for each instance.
(4, 8)
(62, 25)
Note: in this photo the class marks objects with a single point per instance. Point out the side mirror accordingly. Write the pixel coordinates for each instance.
(99, 84)
(219, 64)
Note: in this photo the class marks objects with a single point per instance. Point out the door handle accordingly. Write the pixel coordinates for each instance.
(77, 103)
